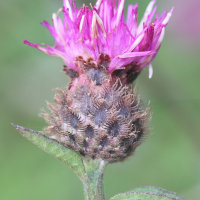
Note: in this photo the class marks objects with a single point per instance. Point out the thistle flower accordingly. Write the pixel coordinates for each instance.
(99, 115)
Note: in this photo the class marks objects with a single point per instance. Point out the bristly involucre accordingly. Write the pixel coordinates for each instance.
(99, 115)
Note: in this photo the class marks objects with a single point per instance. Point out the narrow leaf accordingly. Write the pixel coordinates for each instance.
(56, 149)
(155, 190)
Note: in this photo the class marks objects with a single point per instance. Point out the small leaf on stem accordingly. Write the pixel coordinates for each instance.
(141, 196)
(56, 149)
(159, 191)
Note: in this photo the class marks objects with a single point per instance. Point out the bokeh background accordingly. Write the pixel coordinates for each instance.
(170, 157)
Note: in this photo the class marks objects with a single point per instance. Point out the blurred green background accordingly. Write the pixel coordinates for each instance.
(170, 157)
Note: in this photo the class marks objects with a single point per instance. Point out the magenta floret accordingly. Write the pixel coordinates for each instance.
(104, 30)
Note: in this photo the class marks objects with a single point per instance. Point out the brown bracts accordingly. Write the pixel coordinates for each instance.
(98, 115)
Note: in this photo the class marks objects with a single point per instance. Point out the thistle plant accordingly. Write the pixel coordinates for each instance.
(99, 118)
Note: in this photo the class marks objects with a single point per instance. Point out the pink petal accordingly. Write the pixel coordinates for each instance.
(135, 54)
(147, 12)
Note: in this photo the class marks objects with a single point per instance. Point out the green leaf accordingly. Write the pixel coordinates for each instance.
(56, 149)
(148, 192)
(159, 191)
(141, 196)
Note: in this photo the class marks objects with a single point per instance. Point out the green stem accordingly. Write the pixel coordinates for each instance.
(94, 189)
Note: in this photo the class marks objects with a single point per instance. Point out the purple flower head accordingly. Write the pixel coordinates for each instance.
(104, 31)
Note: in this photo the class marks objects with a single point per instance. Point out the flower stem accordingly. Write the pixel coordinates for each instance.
(94, 189)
